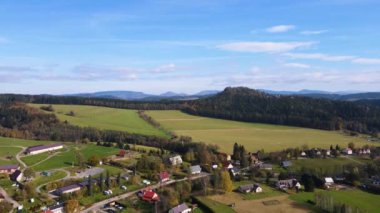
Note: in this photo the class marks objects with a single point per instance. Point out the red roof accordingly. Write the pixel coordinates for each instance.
(122, 153)
(164, 175)
(150, 196)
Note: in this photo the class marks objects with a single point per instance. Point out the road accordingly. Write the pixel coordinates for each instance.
(38, 189)
(99, 205)
(8, 198)
(18, 155)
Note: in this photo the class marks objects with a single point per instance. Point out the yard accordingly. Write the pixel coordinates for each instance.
(253, 136)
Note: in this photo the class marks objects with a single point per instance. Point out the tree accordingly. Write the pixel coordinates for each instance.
(108, 180)
(80, 159)
(29, 173)
(243, 156)
(30, 189)
(236, 152)
(308, 181)
(93, 161)
(118, 179)
(351, 145)
(189, 156)
(90, 190)
(101, 180)
(5, 206)
(225, 181)
(171, 197)
(71, 206)
(136, 180)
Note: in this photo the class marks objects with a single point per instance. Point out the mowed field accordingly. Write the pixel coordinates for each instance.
(105, 118)
(253, 136)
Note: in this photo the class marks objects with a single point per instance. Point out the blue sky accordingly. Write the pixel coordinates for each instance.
(68, 46)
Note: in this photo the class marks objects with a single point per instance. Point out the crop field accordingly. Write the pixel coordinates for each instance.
(253, 136)
(105, 118)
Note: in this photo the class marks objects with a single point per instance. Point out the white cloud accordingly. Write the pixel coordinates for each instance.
(280, 28)
(319, 56)
(367, 61)
(165, 68)
(269, 47)
(297, 65)
(313, 32)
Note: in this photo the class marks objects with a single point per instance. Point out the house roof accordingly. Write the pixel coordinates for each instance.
(329, 180)
(249, 187)
(195, 168)
(67, 188)
(164, 175)
(9, 167)
(266, 165)
(286, 163)
(180, 208)
(235, 170)
(15, 175)
(149, 194)
(42, 147)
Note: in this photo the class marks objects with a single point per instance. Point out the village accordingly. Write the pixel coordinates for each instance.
(146, 178)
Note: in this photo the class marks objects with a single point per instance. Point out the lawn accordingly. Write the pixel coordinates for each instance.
(105, 118)
(267, 191)
(328, 165)
(21, 142)
(253, 136)
(66, 159)
(8, 151)
(214, 206)
(56, 175)
(33, 159)
(355, 198)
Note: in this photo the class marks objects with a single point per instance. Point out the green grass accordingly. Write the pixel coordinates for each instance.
(253, 136)
(65, 159)
(355, 198)
(214, 206)
(328, 165)
(105, 118)
(21, 142)
(46, 179)
(8, 151)
(33, 159)
(267, 191)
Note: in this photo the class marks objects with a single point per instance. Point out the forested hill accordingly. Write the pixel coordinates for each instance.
(249, 105)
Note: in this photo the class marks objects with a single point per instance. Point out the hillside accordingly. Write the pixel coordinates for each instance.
(249, 105)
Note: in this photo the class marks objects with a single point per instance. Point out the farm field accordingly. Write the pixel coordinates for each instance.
(253, 136)
(21, 142)
(8, 151)
(354, 197)
(327, 165)
(104, 118)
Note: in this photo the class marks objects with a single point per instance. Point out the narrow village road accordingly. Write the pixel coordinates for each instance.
(8, 198)
(18, 155)
(99, 205)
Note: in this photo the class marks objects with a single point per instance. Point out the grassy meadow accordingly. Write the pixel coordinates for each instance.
(253, 136)
(105, 118)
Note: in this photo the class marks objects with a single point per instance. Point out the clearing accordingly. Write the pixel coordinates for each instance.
(104, 118)
(253, 136)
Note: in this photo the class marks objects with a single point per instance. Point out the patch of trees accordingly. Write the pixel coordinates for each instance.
(249, 105)
(326, 202)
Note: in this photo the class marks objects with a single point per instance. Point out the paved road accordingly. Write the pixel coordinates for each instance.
(97, 206)
(8, 198)
(38, 189)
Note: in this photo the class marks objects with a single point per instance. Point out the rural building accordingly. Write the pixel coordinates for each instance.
(250, 188)
(328, 152)
(254, 158)
(182, 208)
(224, 156)
(33, 150)
(56, 208)
(329, 182)
(214, 166)
(149, 195)
(67, 189)
(9, 169)
(228, 165)
(303, 154)
(286, 164)
(347, 151)
(16, 176)
(288, 184)
(195, 169)
(175, 160)
(164, 176)
(122, 153)
(234, 171)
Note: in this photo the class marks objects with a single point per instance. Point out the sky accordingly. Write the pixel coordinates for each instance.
(70, 46)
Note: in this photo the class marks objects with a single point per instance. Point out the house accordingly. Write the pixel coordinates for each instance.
(56, 208)
(254, 158)
(164, 176)
(266, 166)
(286, 164)
(195, 169)
(121, 153)
(250, 188)
(9, 169)
(329, 182)
(303, 154)
(228, 165)
(175, 160)
(328, 152)
(67, 189)
(16, 176)
(347, 151)
(224, 157)
(182, 208)
(288, 184)
(32, 150)
(150, 195)
(214, 165)
(234, 171)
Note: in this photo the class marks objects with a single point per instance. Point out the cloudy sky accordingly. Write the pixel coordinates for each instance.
(67, 46)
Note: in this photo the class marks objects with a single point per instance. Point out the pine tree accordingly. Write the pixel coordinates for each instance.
(101, 186)
(90, 192)
(108, 180)
(118, 179)
(226, 182)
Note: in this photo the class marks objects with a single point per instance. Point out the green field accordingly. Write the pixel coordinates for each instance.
(253, 136)
(66, 158)
(105, 118)
(355, 198)
(46, 179)
(21, 142)
(33, 159)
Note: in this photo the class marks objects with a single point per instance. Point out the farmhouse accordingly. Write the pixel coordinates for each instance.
(347, 151)
(288, 184)
(149, 195)
(234, 171)
(250, 188)
(228, 165)
(175, 160)
(56, 208)
(9, 169)
(182, 208)
(16, 176)
(329, 182)
(67, 189)
(195, 169)
(164, 176)
(33, 150)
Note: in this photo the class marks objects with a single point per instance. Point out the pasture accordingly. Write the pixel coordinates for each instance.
(253, 136)
(104, 118)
